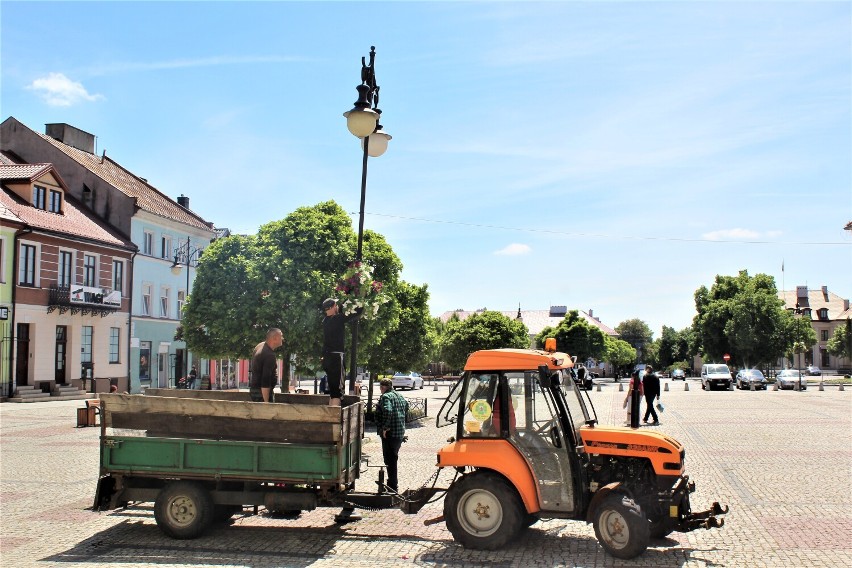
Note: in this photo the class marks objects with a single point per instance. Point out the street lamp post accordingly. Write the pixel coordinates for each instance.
(363, 122)
(185, 254)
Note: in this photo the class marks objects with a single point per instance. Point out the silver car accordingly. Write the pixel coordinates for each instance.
(407, 381)
(748, 377)
(790, 379)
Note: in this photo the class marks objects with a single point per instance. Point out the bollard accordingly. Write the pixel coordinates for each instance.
(685, 386)
(599, 387)
(435, 382)
(841, 387)
(822, 388)
(775, 386)
(620, 387)
(666, 387)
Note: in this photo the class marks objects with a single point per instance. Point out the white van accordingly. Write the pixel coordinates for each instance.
(715, 374)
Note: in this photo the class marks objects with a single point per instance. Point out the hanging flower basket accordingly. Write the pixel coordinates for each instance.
(357, 289)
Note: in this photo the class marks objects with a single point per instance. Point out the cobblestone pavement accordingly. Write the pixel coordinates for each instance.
(781, 460)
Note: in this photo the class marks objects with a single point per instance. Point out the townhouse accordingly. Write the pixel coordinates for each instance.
(168, 235)
(65, 296)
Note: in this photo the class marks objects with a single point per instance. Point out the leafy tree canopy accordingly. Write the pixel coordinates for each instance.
(742, 316)
(575, 336)
(619, 353)
(245, 285)
(840, 342)
(410, 339)
(482, 330)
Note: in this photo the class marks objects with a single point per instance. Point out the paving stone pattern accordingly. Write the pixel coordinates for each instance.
(782, 460)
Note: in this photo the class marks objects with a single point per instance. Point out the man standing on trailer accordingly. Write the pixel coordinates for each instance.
(264, 366)
(332, 348)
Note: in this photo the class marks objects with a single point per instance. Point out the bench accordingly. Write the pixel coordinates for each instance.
(88, 415)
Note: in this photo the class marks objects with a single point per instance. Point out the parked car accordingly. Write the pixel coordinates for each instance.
(407, 380)
(715, 374)
(748, 377)
(814, 371)
(790, 379)
(678, 375)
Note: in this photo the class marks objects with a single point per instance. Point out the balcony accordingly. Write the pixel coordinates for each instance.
(84, 300)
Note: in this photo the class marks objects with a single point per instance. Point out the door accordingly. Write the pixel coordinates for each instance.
(59, 359)
(22, 355)
(540, 438)
(163, 370)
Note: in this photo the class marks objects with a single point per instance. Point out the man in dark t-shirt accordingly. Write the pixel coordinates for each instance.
(264, 366)
(651, 387)
(332, 348)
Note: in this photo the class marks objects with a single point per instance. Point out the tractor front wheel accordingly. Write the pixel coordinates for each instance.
(621, 527)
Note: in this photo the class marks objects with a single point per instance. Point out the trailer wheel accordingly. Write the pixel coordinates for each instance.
(621, 527)
(483, 511)
(183, 509)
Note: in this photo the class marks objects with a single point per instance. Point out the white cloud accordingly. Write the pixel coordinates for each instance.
(732, 234)
(58, 90)
(514, 249)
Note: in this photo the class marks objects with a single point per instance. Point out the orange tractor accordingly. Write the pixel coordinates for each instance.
(528, 447)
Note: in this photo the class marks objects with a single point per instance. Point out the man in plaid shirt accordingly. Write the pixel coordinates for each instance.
(391, 410)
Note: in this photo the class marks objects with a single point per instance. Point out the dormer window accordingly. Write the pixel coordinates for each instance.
(39, 197)
(55, 204)
(823, 313)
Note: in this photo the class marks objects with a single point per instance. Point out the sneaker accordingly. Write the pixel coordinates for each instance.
(655, 422)
(645, 420)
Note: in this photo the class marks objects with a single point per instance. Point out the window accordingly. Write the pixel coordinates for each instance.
(118, 276)
(823, 313)
(148, 243)
(39, 197)
(114, 345)
(166, 247)
(66, 264)
(89, 270)
(146, 299)
(26, 265)
(823, 335)
(86, 344)
(55, 201)
(181, 300)
(164, 303)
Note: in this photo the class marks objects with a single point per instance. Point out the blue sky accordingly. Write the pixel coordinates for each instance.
(613, 156)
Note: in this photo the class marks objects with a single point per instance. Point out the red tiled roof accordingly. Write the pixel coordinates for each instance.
(148, 198)
(72, 221)
(28, 172)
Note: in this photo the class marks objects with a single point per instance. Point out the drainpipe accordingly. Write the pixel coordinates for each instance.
(130, 322)
(12, 378)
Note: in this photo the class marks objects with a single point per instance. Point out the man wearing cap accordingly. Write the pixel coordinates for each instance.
(391, 410)
(332, 348)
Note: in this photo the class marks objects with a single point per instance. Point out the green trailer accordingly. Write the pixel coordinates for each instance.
(201, 456)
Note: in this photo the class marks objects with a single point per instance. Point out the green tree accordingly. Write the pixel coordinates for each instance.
(220, 318)
(799, 336)
(482, 330)
(410, 339)
(575, 336)
(840, 342)
(620, 354)
(637, 333)
(245, 285)
(667, 353)
(741, 316)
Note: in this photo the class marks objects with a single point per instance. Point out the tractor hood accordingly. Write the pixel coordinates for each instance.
(665, 453)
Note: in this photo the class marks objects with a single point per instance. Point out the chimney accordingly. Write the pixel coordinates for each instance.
(71, 136)
(591, 313)
(183, 201)
(825, 293)
(845, 305)
(558, 311)
(801, 292)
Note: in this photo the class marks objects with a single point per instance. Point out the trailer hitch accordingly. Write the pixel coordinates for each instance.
(705, 519)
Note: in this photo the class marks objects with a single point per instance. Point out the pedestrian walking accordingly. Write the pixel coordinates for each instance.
(651, 388)
(391, 410)
(632, 400)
